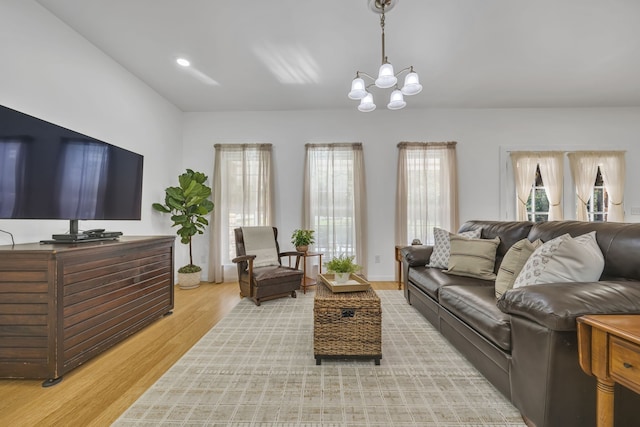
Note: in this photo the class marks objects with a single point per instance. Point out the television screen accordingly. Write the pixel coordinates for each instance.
(50, 172)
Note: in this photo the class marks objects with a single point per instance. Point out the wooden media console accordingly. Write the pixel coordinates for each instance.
(62, 304)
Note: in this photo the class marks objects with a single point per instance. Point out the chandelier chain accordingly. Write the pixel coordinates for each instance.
(384, 56)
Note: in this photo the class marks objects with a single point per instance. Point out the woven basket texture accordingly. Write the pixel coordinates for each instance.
(346, 323)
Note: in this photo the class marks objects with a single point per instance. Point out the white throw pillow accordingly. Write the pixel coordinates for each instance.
(563, 259)
(442, 246)
(260, 241)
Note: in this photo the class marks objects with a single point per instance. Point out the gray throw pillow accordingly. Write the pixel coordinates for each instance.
(442, 246)
(473, 257)
(512, 264)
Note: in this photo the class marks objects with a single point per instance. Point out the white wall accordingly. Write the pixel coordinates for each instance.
(50, 72)
(482, 134)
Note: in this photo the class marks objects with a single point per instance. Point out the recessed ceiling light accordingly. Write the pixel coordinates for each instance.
(183, 62)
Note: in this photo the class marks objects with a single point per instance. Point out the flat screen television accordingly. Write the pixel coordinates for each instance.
(50, 172)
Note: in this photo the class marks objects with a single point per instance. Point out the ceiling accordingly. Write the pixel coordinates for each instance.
(301, 54)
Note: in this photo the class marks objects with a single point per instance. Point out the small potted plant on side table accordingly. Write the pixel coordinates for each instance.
(301, 239)
(342, 266)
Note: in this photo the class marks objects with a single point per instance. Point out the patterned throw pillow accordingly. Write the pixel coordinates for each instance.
(538, 261)
(512, 264)
(564, 259)
(442, 246)
(473, 257)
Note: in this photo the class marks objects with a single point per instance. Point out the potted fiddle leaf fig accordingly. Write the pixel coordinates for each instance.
(342, 266)
(301, 239)
(188, 204)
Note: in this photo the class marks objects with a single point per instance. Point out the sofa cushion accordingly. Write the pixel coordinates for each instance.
(556, 307)
(431, 280)
(476, 306)
(442, 246)
(473, 257)
(512, 264)
(563, 259)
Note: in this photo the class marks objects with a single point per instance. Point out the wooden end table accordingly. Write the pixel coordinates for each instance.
(307, 281)
(399, 261)
(609, 349)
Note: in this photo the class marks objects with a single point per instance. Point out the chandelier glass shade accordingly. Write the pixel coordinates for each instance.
(386, 77)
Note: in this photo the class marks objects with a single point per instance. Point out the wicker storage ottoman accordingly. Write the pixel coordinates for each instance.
(346, 325)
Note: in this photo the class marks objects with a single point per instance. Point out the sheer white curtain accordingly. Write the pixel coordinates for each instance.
(427, 190)
(613, 171)
(584, 169)
(524, 172)
(242, 195)
(551, 165)
(334, 200)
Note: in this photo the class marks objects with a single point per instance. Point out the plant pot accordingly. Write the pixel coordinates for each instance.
(342, 277)
(302, 248)
(189, 280)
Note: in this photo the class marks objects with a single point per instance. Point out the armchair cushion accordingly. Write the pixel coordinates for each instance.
(259, 241)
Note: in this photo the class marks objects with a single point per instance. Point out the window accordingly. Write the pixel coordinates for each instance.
(335, 202)
(538, 203)
(243, 196)
(602, 199)
(538, 177)
(426, 191)
(599, 201)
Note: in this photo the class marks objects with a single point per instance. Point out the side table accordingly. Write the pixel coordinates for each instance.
(307, 281)
(609, 349)
(399, 261)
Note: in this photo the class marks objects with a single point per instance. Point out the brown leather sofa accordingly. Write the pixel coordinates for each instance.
(525, 343)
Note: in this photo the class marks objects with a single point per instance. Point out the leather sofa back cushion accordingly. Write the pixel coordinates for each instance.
(509, 232)
(563, 259)
(473, 257)
(619, 243)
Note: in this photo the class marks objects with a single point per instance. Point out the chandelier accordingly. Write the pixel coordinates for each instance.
(386, 77)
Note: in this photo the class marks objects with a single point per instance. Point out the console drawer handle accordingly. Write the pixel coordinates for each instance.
(627, 365)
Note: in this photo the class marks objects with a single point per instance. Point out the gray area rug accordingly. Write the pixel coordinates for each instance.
(256, 368)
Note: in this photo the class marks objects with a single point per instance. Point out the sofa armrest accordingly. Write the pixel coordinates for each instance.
(416, 255)
(556, 305)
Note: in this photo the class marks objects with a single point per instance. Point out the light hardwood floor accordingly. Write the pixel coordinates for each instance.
(96, 393)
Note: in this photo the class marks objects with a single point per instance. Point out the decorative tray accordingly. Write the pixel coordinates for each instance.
(354, 284)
